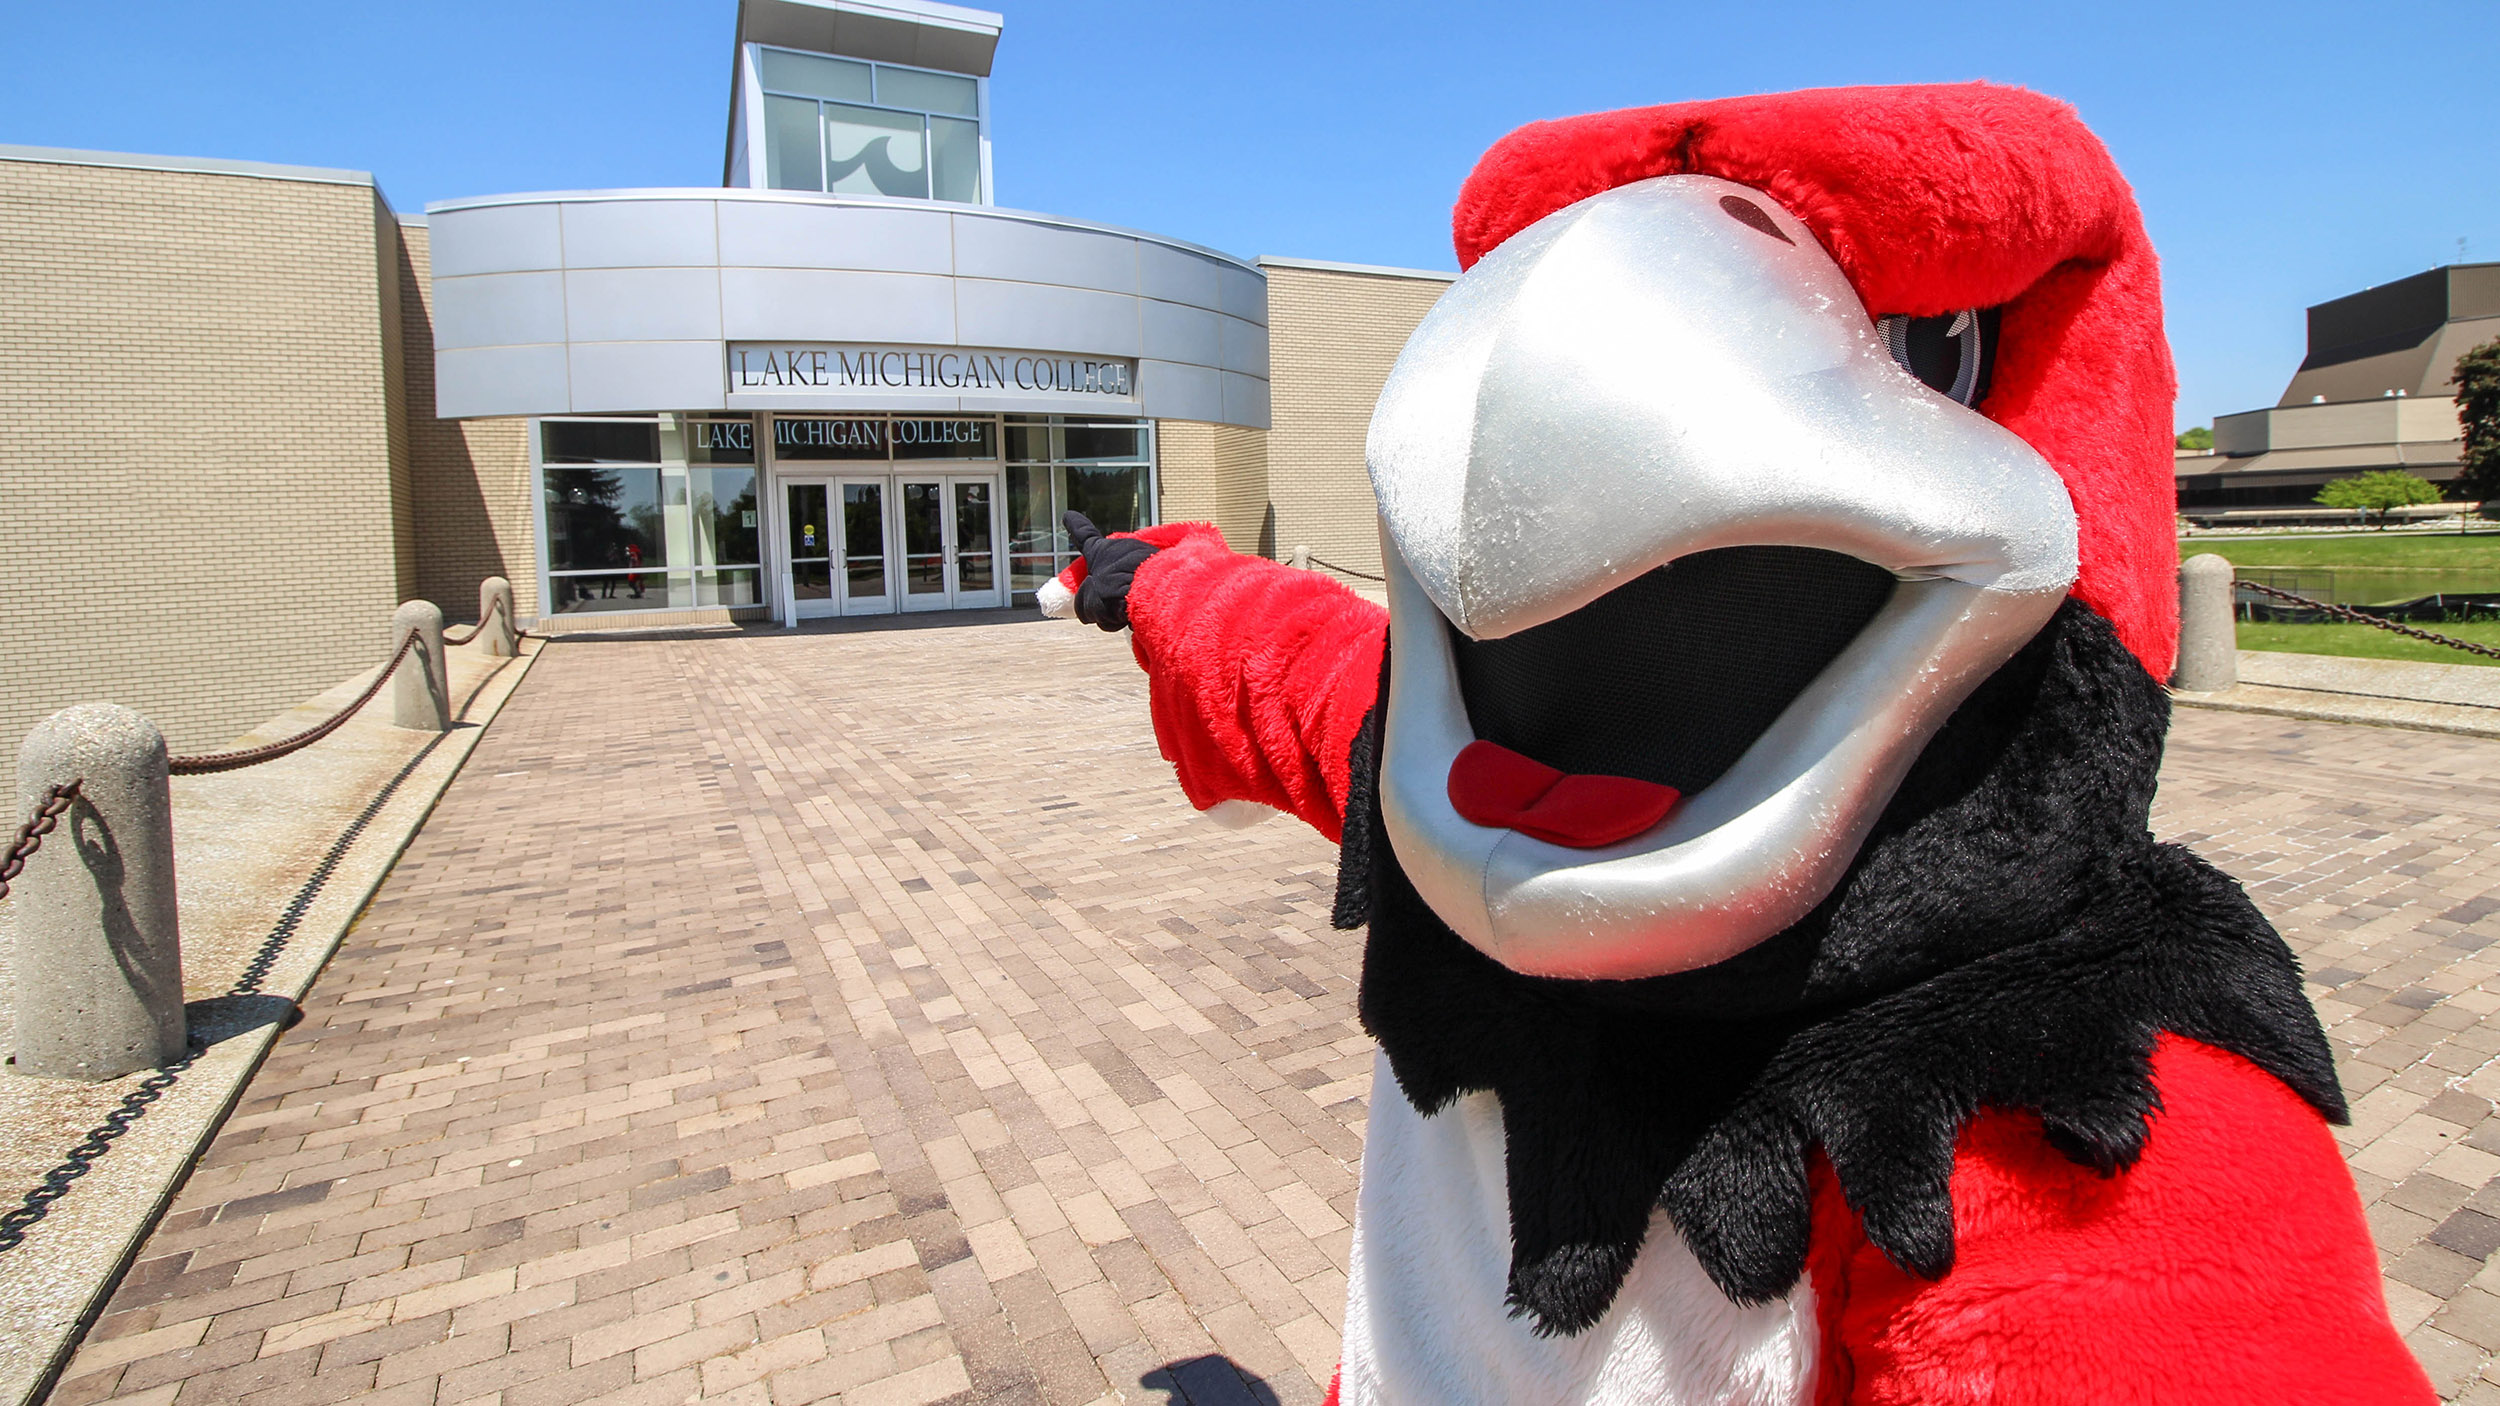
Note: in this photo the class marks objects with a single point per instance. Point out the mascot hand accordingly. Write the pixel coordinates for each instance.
(1110, 565)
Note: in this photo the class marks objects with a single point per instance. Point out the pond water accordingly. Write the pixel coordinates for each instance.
(2372, 585)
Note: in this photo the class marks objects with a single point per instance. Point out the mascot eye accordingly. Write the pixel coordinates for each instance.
(1954, 353)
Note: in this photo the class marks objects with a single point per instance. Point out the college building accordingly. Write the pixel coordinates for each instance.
(2373, 393)
(255, 406)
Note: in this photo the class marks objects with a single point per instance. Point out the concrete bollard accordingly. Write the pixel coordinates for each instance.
(2209, 651)
(495, 627)
(421, 691)
(99, 941)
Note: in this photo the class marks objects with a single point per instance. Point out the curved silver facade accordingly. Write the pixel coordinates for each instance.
(598, 301)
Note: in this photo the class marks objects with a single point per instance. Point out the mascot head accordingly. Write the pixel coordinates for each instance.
(1756, 436)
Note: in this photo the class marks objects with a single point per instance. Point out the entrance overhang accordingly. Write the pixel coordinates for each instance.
(589, 302)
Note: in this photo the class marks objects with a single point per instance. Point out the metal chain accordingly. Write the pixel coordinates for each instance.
(269, 752)
(2389, 625)
(48, 813)
(1347, 571)
(479, 628)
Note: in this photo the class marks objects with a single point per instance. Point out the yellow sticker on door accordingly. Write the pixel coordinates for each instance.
(808, 535)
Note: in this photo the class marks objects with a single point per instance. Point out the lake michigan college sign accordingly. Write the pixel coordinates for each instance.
(761, 369)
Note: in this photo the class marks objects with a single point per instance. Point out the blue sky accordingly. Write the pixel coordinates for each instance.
(2285, 153)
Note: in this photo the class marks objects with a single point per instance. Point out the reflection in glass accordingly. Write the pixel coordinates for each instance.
(607, 517)
(828, 439)
(1026, 574)
(924, 540)
(720, 441)
(811, 580)
(1102, 442)
(863, 540)
(955, 159)
(794, 157)
(817, 76)
(1028, 443)
(599, 442)
(976, 569)
(945, 439)
(927, 92)
(1102, 468)
(1114, 496)
(1031, 527)
(621, 590)
(725, 588)
(811, 532)
(869, 151)
(724, 517)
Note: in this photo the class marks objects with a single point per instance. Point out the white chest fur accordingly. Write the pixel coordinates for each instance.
(1425, 1324)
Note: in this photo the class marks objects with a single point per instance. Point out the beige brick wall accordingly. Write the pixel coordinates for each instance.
(391, 292)
(1332, 337)
(470, 478)
(1213, 473)
(198, 460)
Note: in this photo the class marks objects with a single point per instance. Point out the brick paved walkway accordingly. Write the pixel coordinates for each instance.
(862, 1015)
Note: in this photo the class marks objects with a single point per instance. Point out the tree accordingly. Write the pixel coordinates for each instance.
(2477, 380)
(2378, 491)
(2200, 439)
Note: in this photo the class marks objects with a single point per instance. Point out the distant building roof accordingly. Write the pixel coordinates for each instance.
(2403, 336)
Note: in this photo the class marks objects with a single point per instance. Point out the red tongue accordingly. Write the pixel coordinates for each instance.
(1492, 785)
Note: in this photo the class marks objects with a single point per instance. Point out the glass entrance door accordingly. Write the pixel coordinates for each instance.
(950, 542)
(872, 545)
(867, 575)
(924, 543)
(975, 547)
(811, 537)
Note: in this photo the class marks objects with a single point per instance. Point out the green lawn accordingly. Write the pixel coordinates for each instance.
(2374, 552)
(2371, 642)
(2372, 567)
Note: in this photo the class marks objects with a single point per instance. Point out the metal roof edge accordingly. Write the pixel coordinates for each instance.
(929, 12)
(1374, 270)
(204, 165)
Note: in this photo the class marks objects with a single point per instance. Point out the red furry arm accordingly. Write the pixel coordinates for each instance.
(1260, 674)
(2229, 1265)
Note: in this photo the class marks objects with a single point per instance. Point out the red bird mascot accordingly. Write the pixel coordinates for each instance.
(1781, 996)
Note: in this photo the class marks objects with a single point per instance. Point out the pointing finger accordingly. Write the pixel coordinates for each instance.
(1081, 530)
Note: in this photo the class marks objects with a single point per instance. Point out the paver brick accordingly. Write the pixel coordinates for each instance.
(781, 1016)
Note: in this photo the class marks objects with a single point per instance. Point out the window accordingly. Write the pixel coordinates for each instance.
(1101, 468)
(602, 442)
(828, 439)
(945, 439)
(869, 129)
(650, 514)
(862, 438)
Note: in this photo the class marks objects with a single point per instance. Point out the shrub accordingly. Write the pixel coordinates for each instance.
(2378, 491)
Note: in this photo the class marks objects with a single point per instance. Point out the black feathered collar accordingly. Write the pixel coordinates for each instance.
(2011, 936)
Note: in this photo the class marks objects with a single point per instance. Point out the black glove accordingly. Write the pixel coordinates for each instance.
(1110, 565)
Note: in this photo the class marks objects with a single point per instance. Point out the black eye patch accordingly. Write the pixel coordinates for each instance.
(1953, 353)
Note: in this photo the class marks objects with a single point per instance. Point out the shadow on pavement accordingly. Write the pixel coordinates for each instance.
(829, 625)
(1212, 1380)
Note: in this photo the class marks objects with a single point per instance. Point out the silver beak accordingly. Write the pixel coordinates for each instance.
(1645, 375)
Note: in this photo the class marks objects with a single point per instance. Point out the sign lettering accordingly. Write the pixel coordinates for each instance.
(757, 368)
